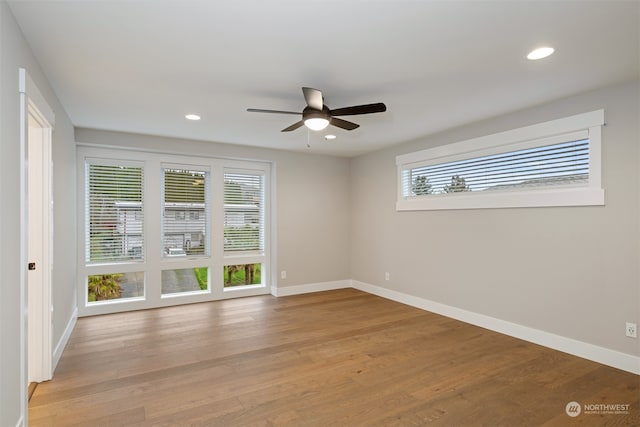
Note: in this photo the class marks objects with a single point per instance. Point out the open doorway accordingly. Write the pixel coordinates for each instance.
(37, 122)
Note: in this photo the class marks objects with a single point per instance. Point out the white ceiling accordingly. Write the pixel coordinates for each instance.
(141, 65)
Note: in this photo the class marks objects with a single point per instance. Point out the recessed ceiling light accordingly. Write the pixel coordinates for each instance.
(539, 53)
(329, 137)
(192, 117)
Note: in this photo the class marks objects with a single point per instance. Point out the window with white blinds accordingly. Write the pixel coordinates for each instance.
(114, 213)
(566, 163)
(554, 163)
(186, 207)
(161, 229)
(244, 214)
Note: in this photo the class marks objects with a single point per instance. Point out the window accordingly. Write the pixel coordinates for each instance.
(185, 280)
(244, 228)
(550, 164)
(243, 213)
(185, 190)
(114, 211)
(114, 286)
(242, 275)
(162, 229)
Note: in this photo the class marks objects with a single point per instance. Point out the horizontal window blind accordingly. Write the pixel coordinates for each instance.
(114, 213)
(565, 163)
(186, 209)
(244, 195)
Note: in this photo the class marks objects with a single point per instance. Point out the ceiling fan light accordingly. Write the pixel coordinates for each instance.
(316, 123)
(539, 53)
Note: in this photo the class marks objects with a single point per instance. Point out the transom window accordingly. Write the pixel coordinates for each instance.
(551, 164)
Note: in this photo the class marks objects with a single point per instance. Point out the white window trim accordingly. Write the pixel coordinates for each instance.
(154, 263)
(530, 136)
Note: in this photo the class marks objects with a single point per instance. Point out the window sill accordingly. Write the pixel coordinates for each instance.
(515, 199)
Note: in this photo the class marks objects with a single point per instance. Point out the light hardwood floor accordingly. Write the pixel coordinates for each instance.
(338, 358)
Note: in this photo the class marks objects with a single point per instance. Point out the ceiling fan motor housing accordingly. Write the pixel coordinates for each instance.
(312, 113)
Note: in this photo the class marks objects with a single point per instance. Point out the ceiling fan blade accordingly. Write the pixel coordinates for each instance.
(258, 110)
(293, 126)
(343, 124)
(360, 109)
(313, 98)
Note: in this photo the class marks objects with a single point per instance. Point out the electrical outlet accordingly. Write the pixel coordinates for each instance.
(386, 275)
(283, 274)
(631, 330)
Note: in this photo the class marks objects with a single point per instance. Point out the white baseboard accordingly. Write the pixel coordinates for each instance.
(309, 288)
(616, 359)
(64, 339)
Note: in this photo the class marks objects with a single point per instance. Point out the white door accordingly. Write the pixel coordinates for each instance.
(37, 126)
(39, 248)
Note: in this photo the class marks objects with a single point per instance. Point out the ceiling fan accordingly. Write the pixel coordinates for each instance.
(317, 116)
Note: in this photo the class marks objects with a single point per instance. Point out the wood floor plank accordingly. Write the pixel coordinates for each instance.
(341, 357)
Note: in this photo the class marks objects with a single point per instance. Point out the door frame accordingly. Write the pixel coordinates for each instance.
(36, 317)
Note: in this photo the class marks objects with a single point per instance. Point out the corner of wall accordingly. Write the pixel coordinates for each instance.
(64, 339)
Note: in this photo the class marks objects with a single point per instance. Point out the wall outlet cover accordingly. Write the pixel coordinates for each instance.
(631, 330)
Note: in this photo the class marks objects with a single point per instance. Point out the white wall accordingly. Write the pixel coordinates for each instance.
(15, 53)
(312, 196)
(573, 272)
